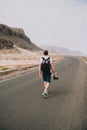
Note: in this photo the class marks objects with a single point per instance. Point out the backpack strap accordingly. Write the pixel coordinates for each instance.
(43, 58)
(46, 59)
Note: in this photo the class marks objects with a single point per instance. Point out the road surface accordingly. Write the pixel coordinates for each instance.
(22, 106)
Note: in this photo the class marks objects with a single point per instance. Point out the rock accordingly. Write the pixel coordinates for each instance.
(15, 36)
(5, 43)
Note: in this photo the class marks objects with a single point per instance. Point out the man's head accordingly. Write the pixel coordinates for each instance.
(45, 52)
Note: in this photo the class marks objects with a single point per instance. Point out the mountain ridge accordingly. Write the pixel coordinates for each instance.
(61, 50)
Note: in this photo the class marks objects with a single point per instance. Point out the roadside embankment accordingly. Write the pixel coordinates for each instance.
(16, 62)
(10, 71)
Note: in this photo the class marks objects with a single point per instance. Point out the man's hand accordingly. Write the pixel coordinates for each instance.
(55, 77)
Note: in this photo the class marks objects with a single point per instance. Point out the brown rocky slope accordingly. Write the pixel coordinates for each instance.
(15, 36)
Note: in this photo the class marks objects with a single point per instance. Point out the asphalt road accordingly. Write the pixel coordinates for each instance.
(22, 106)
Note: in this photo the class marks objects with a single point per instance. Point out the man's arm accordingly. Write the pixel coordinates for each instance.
(52, 68)
(40, 73)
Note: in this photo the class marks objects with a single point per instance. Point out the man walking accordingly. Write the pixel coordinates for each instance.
(45, 67)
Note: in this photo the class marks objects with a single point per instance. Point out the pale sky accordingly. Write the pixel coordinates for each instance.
(60, 23)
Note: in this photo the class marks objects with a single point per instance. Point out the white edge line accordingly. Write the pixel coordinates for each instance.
(19, 75)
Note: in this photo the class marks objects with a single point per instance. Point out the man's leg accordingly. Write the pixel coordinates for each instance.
(47, 80)
(46, 85)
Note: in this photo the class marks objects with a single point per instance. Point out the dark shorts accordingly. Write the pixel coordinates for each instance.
(46, 76)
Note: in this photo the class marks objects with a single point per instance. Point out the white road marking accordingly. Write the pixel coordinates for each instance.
(19, 75)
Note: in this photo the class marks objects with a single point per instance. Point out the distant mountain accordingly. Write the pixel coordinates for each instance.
(9, 37)
(61, 50)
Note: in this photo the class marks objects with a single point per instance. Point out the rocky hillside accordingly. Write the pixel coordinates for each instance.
(9, 37)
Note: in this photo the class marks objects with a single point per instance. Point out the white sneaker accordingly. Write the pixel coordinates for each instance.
(44, 94)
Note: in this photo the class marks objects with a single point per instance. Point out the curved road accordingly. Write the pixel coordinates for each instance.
(22, 106)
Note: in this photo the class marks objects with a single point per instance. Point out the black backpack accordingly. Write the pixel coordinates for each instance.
(45, 66)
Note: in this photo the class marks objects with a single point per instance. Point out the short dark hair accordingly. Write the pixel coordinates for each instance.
(45, 52)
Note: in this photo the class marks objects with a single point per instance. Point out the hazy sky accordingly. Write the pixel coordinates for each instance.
(54, 22)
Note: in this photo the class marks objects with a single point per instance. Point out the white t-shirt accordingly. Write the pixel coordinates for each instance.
(46, 57)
